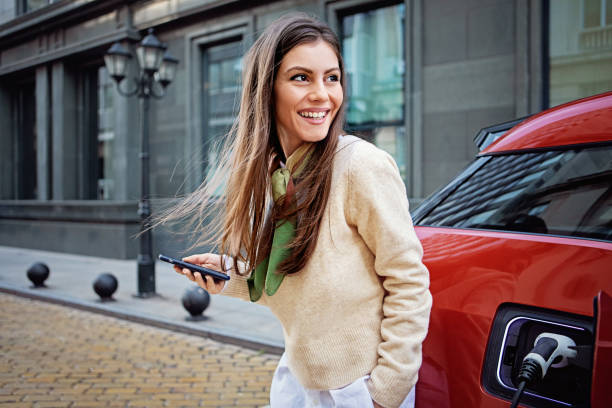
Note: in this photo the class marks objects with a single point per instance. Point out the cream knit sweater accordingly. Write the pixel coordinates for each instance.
(361, 305)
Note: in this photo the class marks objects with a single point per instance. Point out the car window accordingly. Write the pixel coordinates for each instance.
(565, 192)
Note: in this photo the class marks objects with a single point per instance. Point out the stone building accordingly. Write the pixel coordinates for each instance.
(424, 77)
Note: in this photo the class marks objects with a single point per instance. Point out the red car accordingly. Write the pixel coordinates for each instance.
(517, 245)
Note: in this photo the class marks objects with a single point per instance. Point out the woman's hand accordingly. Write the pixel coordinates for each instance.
(210, 261)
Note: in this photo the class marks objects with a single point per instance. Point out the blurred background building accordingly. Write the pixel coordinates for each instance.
(424, 77)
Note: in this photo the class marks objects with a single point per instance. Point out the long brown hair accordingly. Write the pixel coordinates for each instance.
(243, 224)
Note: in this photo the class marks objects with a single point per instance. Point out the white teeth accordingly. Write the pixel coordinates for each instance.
(312, 114)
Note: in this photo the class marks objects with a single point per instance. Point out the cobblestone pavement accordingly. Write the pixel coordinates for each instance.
(55, 356)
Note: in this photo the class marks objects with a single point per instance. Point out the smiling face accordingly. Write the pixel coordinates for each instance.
(307, 94)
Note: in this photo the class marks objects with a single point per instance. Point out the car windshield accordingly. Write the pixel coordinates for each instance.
(565, 192)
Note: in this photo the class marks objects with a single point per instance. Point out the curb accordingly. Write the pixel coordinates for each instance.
(104, 309)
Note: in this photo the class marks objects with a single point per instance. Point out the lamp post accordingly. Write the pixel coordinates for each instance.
(157, 70)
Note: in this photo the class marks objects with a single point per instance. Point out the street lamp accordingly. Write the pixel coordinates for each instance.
(157, 69)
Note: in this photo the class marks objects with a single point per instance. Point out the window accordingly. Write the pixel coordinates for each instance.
(580, 49)
(556, 192)
(105, 135)
(222, 72)
(373, 53)
(597, 13)
(27, 6)
(23, 104)
(97, 137)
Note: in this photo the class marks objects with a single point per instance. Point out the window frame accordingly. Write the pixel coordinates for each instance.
(412, 123)
(22, 6)
(603, 4)
(88, 124)
(17, 93)
(205, 105)
(88, 131)
(545, 20)
(195, 43)
(343, 10)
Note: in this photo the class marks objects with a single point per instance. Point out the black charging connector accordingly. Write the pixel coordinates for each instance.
(548, 348)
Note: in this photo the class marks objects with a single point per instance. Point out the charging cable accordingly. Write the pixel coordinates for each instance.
(548, 348)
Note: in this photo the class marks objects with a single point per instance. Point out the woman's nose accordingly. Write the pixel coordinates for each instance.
(318, 91)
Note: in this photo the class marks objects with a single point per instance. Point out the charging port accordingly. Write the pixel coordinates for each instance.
(513, 336)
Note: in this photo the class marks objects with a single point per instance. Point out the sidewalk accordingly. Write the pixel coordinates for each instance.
(71, 279)
(78, 362)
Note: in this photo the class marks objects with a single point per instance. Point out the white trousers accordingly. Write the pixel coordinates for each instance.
(287, 392)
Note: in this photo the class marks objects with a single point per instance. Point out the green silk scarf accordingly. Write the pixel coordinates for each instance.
(265, 278)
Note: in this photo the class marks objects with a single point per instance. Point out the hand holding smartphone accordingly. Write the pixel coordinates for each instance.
(194, 268)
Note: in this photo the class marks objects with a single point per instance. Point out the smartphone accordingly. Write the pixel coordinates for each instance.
(194, 268)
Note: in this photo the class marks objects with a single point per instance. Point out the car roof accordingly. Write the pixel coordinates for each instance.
(586, 120)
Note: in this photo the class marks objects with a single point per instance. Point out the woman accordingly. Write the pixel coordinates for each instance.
(316, 227)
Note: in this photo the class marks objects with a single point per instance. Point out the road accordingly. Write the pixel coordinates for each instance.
(55, 356)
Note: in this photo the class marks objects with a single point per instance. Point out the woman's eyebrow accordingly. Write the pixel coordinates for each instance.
(309, 71)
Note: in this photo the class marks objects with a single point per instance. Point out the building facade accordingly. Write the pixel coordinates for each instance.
(424, 77)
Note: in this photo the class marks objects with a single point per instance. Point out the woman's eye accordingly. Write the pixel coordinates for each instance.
(298, 77)
(333, 78)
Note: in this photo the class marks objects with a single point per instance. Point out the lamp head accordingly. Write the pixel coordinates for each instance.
(116, 60)
(150, 52)
(167, 69)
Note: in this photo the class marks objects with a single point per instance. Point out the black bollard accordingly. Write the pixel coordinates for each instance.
(195, 301)
(38, 273)
(105, 285)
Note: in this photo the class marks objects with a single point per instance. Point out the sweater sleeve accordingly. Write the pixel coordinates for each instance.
(237, 285)
(378, 208)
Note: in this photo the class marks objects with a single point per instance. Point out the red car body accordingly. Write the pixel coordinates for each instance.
(474, 271)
